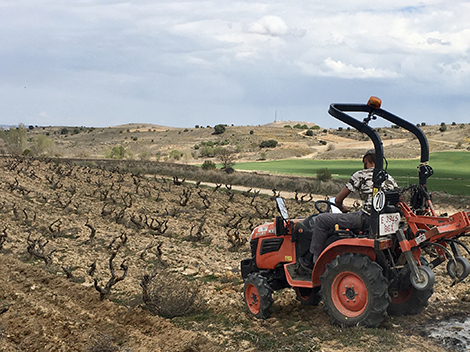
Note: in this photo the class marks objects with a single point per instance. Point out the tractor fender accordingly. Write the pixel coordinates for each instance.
(348, 245)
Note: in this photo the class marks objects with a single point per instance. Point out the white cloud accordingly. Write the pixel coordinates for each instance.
(78, 59)
(273, 26)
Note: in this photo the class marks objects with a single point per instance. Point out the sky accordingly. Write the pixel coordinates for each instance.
(186, 63)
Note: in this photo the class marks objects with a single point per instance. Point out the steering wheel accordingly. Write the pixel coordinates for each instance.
(321, 204)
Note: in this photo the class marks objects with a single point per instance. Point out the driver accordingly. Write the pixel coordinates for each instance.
(361, 182)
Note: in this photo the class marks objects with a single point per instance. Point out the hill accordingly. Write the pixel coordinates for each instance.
(194, 145)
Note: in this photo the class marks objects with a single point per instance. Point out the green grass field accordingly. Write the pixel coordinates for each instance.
(451, 170)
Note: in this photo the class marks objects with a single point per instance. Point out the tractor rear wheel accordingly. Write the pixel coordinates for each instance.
(354, 291)
(258, 296)
(308, 296)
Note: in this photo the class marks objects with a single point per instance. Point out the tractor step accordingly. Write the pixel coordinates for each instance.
(297, 273)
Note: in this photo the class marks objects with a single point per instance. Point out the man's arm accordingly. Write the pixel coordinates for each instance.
(340, 198)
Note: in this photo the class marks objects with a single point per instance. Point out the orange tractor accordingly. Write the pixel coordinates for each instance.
(361, 276)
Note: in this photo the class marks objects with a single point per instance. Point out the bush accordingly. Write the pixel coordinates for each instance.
(219, 129)
(229, 170)
(169, 295)
(309, 133)
(324, 175)
(207, 151)
(270, 143)
(315, 127)
(443, 127)
(208, 165)
(176, 154)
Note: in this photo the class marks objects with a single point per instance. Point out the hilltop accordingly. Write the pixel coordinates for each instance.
(192, 145)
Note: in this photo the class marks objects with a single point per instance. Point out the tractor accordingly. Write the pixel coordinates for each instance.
(361, 276)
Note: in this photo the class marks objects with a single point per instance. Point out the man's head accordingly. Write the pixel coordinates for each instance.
(369, 159)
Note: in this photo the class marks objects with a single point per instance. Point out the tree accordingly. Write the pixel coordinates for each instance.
(15, 139)
(226, 156)
(42, 144)
(443, 127)
(117, 152)
(219, 129)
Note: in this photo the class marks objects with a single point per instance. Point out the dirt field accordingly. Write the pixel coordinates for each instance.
(47, 213)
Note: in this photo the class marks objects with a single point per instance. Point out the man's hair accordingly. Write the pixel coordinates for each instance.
(370, 158)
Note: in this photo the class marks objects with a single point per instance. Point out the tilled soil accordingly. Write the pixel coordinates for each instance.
(199, 232)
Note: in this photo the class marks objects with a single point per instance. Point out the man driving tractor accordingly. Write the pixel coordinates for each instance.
(324, 224)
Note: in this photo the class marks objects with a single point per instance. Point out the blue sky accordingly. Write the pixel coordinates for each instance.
(187, 63)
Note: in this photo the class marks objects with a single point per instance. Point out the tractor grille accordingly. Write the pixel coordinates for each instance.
(392, 198)
(253, 245)
(271, 245)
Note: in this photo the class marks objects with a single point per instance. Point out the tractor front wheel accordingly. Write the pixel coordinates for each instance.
(354, 291)
(258, 296)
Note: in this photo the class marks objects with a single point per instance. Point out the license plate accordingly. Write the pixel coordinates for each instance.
(388, 223)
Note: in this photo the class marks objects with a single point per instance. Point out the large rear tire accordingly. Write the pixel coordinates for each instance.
(354, 291)
(258, 296)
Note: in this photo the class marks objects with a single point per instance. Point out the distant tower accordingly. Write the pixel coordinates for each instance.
(275, 115)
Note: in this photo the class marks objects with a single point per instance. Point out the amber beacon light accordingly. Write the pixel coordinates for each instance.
(375, 102)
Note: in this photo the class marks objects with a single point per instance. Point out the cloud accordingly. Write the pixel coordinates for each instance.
(109, 62)
(273, 26)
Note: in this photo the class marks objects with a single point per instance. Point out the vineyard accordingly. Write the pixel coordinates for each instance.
(82, 251)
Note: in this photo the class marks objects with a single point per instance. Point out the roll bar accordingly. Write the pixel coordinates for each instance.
(372, 108)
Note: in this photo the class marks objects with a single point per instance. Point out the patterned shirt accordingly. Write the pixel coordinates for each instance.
(361, 181)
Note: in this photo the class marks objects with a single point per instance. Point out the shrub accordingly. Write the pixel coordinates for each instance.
(287, 126)
(251, 131)
(323, 175)
(117, 152)
(169, 295)
(309, 133)
(176, 154)
(443, 127)
(207, 151)
(315, 127)
(219, 129)
(208, 165)
(270, 143)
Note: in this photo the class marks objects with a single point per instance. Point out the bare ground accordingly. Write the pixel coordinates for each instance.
(45, 311)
